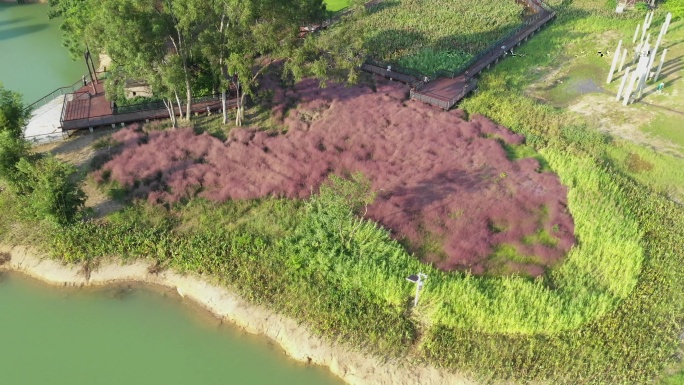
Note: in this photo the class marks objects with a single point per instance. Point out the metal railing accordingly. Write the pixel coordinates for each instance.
(83, 95)
(144, 111)
(541, 11)
(117, 110)
(78, 84)
(52, 95)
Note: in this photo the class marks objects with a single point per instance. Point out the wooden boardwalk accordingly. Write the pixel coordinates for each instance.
(445, 92)
(83, 109)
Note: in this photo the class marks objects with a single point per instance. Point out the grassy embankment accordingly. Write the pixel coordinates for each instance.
(609, 314)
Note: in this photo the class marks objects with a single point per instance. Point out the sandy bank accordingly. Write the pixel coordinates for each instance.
(352, 366)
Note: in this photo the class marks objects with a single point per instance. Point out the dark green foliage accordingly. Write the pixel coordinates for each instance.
(13, 114)
(12, 150)
(49, 191)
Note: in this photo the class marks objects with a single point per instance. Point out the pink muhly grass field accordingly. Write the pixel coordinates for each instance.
(445, 186)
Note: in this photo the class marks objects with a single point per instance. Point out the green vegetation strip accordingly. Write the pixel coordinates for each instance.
(432, 35)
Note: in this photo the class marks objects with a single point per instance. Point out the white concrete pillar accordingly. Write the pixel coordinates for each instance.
(616, 57)
(636, 33)
(622, 84)
(622, 61)
(630, 87)
(660, 66)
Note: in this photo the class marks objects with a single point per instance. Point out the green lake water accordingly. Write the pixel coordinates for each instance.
(32, 58)
(130, 335)
(54, 336)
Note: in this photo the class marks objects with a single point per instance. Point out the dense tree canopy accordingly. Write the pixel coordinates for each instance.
(176, 45)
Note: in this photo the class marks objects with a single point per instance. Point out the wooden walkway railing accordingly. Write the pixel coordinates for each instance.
(449, 88)
(81, 110)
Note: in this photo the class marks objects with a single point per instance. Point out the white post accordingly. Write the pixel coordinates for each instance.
(660, 66)
(643, 75)
(641, 40)
(649, 17)
(622, 61)
(668, 19)
(419, 281)
(655, 49)
(616, 56)
(636, 33)
(630, 87)
(645, 25)
(622, 84)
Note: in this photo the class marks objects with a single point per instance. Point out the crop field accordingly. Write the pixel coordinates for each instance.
(432, 35)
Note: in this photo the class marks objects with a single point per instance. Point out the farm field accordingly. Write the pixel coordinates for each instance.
(432, 35)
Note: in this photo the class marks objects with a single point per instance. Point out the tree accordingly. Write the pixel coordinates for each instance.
(247, 36)
(153, 40)
(13, 114)
(334, 54)
(76, 16)
(49, 191)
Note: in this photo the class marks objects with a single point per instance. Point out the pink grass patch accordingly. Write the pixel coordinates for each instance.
(445, 185)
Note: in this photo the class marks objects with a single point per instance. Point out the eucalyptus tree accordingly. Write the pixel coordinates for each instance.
(153, 40)
(249, 35)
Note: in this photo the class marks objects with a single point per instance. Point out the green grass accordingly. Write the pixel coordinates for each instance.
(675, 379)
(336, 5)
(662, 172)
(432, 35)
(668, 127)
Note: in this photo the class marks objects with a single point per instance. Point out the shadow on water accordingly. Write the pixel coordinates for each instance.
(11, 33)
(13, 21)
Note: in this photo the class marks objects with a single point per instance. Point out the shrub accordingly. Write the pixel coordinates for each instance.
(49, 191)
(13, 114)
(12, 149)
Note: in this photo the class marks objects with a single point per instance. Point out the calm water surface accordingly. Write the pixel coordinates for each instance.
(129, 336)
(32, 58)
(111, 336)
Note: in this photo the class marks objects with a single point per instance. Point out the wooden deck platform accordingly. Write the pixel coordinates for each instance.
(85, 109)
(446, 92)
